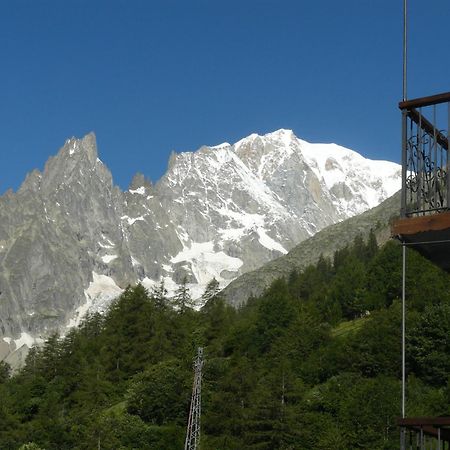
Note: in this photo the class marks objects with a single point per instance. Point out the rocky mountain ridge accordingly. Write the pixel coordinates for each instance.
(70, 240)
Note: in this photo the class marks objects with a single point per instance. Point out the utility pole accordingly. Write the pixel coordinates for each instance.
(404, 144)
(193, 428)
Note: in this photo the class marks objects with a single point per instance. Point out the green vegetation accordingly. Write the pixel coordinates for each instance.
(314, 363)
(348, 326)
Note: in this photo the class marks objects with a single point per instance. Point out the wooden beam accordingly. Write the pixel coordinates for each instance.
(421, 224)
(429, 425)
(425, 101)
(421, 421)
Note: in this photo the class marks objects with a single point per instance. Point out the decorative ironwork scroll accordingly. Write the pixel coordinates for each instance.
(425, 161)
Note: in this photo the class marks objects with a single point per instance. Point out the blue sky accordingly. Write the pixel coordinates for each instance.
(149, 77)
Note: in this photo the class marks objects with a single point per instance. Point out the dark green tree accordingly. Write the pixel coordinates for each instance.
(182, 298)
(5, 371)
(429, 344)
(161, 394)
(159, 295)
(211, 291)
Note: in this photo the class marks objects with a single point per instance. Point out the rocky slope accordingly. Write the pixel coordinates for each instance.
(70, 240)
(326, 242)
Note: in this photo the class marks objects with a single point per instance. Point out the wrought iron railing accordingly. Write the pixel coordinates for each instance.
(425, 159)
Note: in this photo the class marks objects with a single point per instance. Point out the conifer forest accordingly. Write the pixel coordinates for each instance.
(314, 363)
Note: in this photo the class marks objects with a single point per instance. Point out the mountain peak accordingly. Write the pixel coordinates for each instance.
(77, 160)
(282, 132)
(87, 145)
(282, 136)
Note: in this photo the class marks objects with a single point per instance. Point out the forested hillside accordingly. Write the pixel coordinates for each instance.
(314, 363)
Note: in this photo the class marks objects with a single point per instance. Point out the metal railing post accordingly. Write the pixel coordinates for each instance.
(404, 162)
(447, 159)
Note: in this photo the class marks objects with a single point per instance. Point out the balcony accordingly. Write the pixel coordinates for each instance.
(426, 432)
(425, 203)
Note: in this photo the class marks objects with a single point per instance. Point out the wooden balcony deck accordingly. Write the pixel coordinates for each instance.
(429, 235)
(434, 427)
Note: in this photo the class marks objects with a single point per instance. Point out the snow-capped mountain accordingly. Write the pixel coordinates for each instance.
(70, 240)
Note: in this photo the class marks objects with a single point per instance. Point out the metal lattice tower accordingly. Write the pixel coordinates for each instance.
(193, 428)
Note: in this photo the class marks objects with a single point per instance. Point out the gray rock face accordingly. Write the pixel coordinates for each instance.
(49, 239)
(70, 240)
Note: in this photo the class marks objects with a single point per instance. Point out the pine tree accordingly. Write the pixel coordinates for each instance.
(211, 291)
(159, 295)
(371, 246)
(182, 299)
(5, 371)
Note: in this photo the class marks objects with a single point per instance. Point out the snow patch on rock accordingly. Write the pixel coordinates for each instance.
(108, 258)
(102, 290)
(207, 263)
(140, 190)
